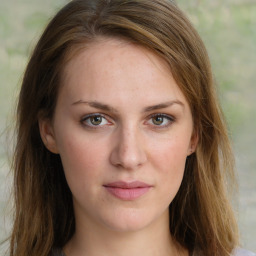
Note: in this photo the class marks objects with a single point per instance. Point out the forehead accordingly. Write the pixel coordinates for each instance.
(111, 65)
(107, 46)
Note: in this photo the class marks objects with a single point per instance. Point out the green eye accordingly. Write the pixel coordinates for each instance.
(161, 120)
(158, 120)
(96, 120)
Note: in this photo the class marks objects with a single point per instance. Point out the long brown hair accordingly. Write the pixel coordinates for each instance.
(201, 217)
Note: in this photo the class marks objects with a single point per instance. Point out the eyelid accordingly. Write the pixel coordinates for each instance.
(170, 118)
(86, 117)
(162, 115)
(110, 121)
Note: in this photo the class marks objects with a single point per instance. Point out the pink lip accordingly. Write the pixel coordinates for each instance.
(127, 190)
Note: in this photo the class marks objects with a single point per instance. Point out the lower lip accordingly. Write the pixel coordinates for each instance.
(127, 194)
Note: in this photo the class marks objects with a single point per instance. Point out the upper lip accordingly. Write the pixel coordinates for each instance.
(124, 184)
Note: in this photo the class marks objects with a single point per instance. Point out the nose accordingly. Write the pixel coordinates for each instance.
(128, 152)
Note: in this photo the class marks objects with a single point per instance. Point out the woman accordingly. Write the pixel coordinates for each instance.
(121, 144)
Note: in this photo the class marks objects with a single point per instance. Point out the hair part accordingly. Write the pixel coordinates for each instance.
(201, 217)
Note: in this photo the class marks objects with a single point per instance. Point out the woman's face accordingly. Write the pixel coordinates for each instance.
(123, 130)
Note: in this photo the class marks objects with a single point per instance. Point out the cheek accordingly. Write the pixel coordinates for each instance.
(171, 154)
(168, 159)
(82, 160)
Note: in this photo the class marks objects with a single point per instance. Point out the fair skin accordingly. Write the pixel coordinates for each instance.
(123, 130)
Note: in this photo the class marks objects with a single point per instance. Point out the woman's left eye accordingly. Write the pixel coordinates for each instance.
(161, 120)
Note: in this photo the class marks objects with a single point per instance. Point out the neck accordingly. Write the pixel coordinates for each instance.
(154, 240)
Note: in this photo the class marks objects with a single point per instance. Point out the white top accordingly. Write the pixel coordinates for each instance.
(242, 252)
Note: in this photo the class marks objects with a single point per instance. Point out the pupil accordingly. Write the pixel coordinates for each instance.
(158, 120)
(96, 120)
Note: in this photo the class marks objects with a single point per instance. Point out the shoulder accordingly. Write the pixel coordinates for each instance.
(242, 252)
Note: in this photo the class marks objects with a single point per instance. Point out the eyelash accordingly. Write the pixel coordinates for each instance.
(91, 126)
(170, 120)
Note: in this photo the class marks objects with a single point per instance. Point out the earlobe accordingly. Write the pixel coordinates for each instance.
(47, 135)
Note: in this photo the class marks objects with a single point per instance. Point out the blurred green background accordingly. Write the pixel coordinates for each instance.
(228, 28)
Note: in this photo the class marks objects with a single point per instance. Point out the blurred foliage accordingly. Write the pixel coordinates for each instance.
(228, 29)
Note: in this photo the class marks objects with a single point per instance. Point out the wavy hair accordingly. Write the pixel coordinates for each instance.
(201, 218)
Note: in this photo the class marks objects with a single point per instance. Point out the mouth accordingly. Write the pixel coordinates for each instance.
(128, 191)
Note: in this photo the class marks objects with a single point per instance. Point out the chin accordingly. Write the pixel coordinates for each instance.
(129, 220)
(127, 226)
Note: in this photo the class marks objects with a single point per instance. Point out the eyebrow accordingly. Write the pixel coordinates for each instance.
(163, 105)
(108, 108)
(95, 104)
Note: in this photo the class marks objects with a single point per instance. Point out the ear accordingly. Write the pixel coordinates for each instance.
(47, 134)
(193, 142)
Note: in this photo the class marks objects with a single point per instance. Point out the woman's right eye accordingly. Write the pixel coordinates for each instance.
(95, 120)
